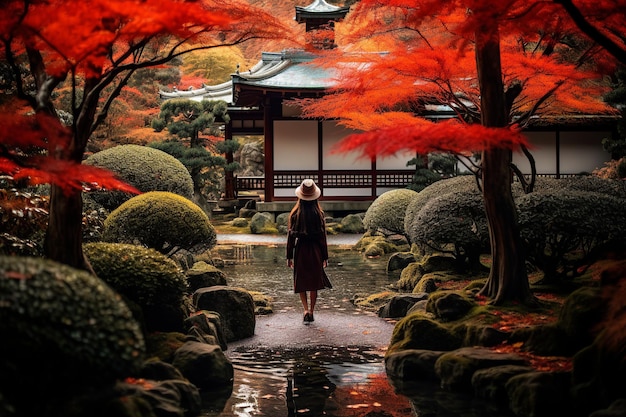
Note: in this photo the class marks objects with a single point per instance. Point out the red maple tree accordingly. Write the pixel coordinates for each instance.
(94, 47)
(496, 64)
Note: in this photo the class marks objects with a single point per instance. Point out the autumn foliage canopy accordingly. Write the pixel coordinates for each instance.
(549, 68)
(94, 47)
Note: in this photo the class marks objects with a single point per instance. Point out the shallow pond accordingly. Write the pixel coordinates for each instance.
(333, 367)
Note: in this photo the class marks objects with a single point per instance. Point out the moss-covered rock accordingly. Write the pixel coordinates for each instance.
(455, 369)
(373, 302)
(144, 276)
(427, 284)
(145, 168)
(387, 211)
(240, 222)
(410, 276)
(352, 223)
(540, 394)
(63, 330)
(399, 260)
(262, 303)
(420, 332)
(262, 223)
(448, 305)
(160, 220)
(202, 274)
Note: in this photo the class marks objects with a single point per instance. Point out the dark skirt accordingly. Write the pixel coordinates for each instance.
(308, 267)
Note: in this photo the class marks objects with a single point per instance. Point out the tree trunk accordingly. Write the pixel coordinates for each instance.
(508, 280)
(63, 242)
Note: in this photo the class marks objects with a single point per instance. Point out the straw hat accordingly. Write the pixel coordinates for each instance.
(308, 190)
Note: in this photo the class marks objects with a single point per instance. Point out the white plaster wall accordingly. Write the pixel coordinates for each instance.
(333, 133)
(582, 152)
(295, 145)
(397, 161)
(348, 192)
(543, 149)
(285, 192)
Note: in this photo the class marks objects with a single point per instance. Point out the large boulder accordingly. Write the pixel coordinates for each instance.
(204, 365)
(235, 306)
(202, 274)
(412, 365)
(262, 223)
(352, 223)
(419, 332)
(400, 304)
(456, 368)
(540, 394)
(448, 305)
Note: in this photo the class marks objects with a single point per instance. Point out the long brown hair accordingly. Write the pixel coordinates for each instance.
(307, 217)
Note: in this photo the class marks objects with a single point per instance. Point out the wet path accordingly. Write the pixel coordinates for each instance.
(331, 367)
(330, 328)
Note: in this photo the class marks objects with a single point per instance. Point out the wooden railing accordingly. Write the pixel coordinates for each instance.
(329, 179)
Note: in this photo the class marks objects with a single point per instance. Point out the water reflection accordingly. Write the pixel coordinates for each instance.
(326, 381)
(264, 269)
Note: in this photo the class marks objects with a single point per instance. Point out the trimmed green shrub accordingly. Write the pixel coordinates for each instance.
(62, 330)
(144, 276)
(453, 223)
(562, 230)
(145, 168)
(160, 220)
(462, 184)
(387, 211)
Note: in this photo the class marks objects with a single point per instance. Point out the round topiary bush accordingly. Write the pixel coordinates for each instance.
(63, 330)
(160, 220)
(387, 211)
(464, 184)
(145, 168)
(456, 223)
(561, 229)
(144, 276)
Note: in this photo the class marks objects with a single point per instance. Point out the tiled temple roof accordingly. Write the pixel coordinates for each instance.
(287, 70)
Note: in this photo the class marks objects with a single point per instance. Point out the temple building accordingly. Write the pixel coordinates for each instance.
(296, 148)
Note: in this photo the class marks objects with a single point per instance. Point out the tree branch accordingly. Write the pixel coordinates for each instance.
(586, 27)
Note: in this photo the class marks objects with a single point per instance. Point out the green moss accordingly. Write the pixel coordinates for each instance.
(409, 277)
(143, 275)
(160, 220)
(387, 211)
(163, 345)
(145, 168)
(61, 326)
(373, 302)
(418, 331)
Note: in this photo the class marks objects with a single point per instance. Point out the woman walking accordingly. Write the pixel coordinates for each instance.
(307, 251)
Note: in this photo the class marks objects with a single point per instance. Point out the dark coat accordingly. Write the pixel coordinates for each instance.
(308, 252)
